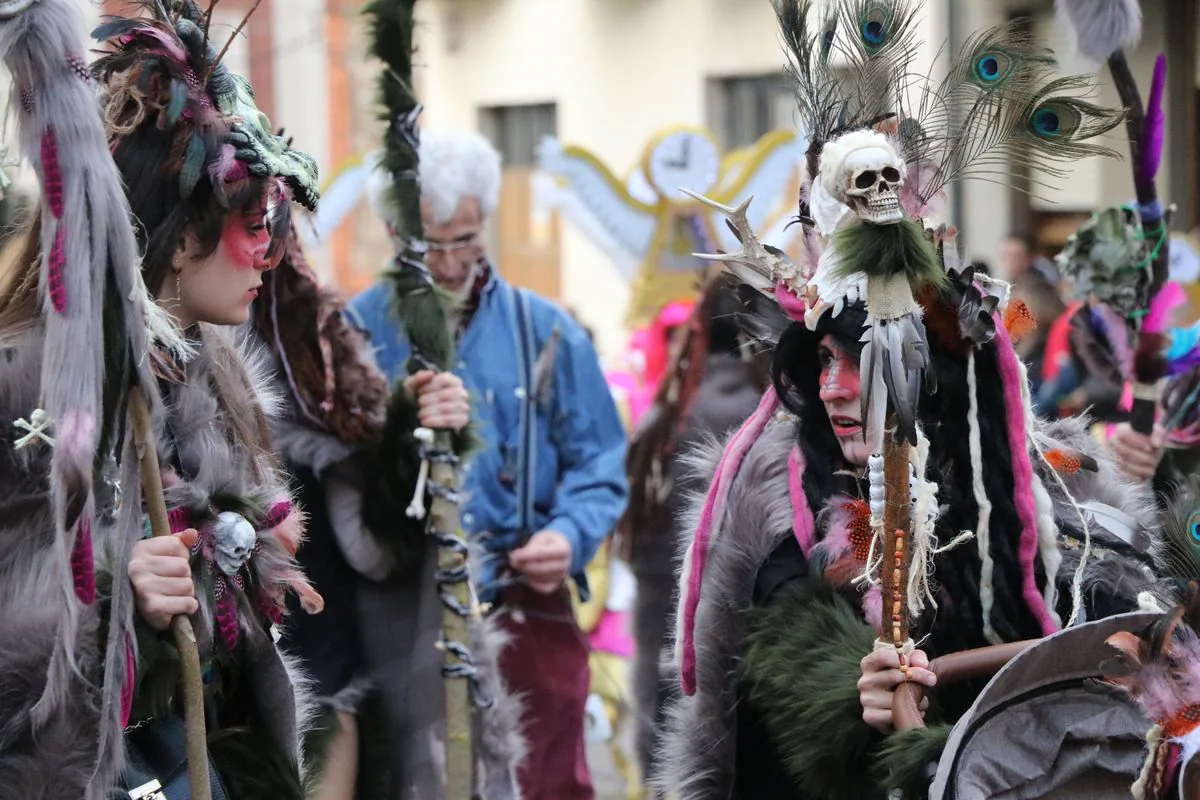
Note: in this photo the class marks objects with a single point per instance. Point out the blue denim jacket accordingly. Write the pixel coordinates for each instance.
(579, 488)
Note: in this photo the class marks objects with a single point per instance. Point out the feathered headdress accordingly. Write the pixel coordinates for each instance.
(886, 143)
(163, 68)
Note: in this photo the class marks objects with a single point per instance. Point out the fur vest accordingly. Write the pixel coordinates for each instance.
(211, 441)
(700, 747)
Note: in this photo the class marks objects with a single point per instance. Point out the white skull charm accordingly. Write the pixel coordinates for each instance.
(874, 177)
(863, 170)
(234, 538)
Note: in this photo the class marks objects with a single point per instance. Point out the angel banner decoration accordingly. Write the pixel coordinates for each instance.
(651, 224)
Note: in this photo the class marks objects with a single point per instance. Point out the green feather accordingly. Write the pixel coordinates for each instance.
(885, 250)
(193, 165)
(179, 96)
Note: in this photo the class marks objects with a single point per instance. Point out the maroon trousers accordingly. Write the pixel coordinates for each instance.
(547, 663)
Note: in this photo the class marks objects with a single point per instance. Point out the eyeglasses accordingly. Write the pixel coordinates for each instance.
(461, 243)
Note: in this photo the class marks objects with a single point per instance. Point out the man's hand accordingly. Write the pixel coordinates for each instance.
(162, 578)
(880, 676)
(545, 561)
(1137, 454)
(442, 400)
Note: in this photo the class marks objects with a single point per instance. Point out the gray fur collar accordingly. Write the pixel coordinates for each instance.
(699, 743)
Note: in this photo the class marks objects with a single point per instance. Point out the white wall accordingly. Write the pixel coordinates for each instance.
(301, 90)
(618, 70)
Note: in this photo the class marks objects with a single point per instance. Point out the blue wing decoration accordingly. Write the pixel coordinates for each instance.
(764, 171)
(577, 185)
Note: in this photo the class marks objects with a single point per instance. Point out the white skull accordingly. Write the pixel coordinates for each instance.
(873, 177)
(234, 538)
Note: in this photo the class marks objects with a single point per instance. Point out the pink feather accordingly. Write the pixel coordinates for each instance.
(226, 616)
(310, 599)
(130, 680)
(171, 46)
(58, 260)
(836, 521)
(52, 182)
(226, 167)
(278, 512)
(179, 518)
(83, 565)
(290, 530)
(1169, 297)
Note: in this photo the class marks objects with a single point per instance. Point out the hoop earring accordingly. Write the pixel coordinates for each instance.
(173, 302)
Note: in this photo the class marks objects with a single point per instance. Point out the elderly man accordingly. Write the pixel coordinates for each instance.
(548, 484)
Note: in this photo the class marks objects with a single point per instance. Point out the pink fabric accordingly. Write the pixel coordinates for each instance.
(714, 510)
(802, 516)
(611, 634)
(130, 680)
(1010, 377)
(793, 306)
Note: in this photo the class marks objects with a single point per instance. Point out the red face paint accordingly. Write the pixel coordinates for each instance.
(245, 239)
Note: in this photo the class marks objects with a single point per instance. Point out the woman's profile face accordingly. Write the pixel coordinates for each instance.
(840, 393)
(218, 289)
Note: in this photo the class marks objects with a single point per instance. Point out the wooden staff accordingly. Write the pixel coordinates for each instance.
(181, 627)
(897, 549)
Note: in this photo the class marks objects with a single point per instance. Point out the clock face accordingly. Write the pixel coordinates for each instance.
(683, 160)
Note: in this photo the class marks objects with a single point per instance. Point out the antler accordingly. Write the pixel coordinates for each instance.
(760, 265)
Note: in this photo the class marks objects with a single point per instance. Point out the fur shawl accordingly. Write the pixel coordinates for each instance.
(223, 465)
(700, 743)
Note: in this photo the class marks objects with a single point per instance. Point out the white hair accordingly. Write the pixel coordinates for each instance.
(454, 166)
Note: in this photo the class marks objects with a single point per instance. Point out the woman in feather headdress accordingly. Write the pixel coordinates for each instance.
(785, 645)
(209, 187)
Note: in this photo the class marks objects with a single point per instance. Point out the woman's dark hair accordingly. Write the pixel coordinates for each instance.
(149, 168)
(943, 415)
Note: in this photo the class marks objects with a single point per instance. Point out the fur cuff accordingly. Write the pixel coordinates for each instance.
(907, 761)
(801, 673)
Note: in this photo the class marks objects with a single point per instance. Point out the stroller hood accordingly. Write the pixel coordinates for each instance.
(1047, 726)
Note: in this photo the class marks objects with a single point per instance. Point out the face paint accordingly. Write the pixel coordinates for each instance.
(245, 239)
(840, 392)
(220, 288)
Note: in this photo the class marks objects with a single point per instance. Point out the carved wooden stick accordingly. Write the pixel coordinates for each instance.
(897, 549)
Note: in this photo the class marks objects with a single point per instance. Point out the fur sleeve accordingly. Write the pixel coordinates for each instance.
(1114, 575)
(344, 499)
(801, 676)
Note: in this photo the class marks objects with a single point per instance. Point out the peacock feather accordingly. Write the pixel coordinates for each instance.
(1001, 113)
(1180, 542)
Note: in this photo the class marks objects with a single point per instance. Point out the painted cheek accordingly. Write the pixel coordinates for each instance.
(244, 247)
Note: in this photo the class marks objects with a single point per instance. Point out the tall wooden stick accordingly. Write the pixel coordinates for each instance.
(444, 517)
(181, 626)
(897, 547)
(425, 325)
